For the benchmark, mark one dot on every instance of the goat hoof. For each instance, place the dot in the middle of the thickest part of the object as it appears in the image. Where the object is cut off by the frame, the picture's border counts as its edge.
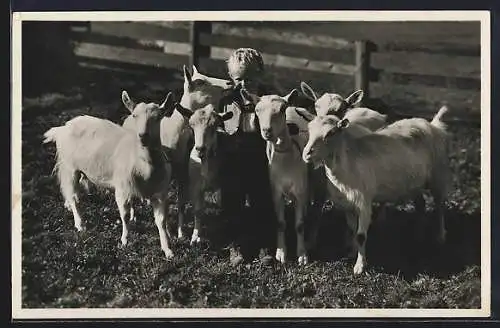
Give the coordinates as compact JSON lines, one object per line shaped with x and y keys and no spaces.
{"x":303,"y":260}
{"x":79,"y":228}
{"x":169,"y":254}
{"x":180,"y":235}
{"x":280,"y":255}
{"x":358,"y":268}
{"x":195,"y":240}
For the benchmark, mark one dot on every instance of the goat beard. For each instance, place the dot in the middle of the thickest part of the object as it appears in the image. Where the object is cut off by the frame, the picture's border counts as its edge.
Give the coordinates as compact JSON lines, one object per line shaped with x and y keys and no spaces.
{"x":316,"y":162}
{"x":272,"y":139}
{"x":195,"y":156}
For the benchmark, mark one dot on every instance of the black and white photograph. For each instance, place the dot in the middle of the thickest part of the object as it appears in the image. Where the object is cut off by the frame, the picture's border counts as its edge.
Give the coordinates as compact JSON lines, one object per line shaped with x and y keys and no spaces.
{"x":262,"y":164}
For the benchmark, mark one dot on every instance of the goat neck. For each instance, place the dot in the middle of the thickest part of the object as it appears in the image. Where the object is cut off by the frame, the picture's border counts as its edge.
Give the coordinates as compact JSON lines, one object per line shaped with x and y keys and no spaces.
{"x":336,"y":156}
{"x":283,"y":143}
{"x":149,"y":168}
{"x":185,"y":102}
{"x":152,"y":153}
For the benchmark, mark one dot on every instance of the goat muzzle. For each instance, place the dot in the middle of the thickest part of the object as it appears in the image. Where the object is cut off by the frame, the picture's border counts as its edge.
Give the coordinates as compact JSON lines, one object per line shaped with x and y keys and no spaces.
{"x":267,"y":134}
{"x":307,"y":154}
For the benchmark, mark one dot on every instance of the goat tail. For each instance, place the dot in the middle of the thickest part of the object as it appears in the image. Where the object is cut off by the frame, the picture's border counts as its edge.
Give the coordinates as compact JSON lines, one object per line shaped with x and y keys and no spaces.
{"x":51,"y":134}
{"x":437,"y":119}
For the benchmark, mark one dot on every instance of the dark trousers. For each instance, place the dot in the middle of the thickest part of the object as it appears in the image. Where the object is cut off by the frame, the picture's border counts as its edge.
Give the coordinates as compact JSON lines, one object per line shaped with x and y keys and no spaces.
{"x":245,"y":173}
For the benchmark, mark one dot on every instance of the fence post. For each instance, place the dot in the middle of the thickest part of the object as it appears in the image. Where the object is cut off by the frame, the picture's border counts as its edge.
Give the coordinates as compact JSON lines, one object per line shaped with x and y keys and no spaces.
{"x":197,"y":50}
{"x":362,"y":77}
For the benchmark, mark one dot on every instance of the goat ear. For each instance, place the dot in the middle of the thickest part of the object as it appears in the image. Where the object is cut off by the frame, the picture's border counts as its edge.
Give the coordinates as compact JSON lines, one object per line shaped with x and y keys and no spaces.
{"x":308,"y":91}
{"x":188,"y":78}
{"x":291,"y":96}
{"x":226,"y":116}
{"x":343,"y":123}
{"x":129,"y":103}
{"x":355,"y":98}
{"x":168,"y":105}
{"x":249,"y":98}
{"x":305,"y":114}
{"x":195,"y":70}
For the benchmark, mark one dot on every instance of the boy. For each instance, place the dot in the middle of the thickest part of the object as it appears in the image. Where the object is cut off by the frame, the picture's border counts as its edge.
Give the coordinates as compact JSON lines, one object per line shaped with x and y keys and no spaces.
{"x":245,"y":168}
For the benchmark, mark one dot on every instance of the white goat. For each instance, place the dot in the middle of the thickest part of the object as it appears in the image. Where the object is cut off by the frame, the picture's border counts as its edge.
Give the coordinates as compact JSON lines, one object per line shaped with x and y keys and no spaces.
{"x":332,"y":103}
{"x":290,"y":177}
{"x":363,"y":121}
{"x":204,"y":160}
{"x":366,"y":120}
{"x":289,"y":174}
{"x":108,"y":155}
{"x":390,"y":164}
{"x":199,"y":90}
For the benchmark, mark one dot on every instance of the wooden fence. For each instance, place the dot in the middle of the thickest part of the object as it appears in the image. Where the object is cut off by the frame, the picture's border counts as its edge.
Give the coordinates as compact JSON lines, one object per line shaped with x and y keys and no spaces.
{"x":148,"y":47}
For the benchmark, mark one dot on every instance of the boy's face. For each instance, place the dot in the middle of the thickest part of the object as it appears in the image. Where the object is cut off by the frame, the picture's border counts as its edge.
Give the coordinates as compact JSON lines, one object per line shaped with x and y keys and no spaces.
{"x":247,"y":81}
{"x":251,"y":85}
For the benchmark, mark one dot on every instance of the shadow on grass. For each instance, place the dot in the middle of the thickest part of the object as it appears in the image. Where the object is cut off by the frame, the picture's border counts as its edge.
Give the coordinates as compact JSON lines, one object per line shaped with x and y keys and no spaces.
{"x":393,"y":245}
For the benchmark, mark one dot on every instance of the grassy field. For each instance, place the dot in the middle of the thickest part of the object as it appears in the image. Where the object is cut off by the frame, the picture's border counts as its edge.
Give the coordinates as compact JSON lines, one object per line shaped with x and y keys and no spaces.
{"x":63,"y":268}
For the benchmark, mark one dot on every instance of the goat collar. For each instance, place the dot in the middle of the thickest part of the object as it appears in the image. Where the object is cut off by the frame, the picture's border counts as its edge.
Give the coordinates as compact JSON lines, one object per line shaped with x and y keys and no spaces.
{"x":183,"y":110}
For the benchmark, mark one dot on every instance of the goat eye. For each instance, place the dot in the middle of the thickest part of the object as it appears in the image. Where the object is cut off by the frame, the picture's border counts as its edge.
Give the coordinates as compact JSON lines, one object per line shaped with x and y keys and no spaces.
{"x":134,"y":115}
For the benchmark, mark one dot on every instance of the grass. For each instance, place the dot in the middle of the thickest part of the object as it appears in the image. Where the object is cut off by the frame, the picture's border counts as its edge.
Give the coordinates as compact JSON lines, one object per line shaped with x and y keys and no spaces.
{"x":62,"y":268}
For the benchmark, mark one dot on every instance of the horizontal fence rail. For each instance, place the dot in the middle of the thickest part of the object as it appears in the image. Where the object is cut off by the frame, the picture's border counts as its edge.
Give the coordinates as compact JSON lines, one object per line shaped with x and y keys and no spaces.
{"x":131,"y":46}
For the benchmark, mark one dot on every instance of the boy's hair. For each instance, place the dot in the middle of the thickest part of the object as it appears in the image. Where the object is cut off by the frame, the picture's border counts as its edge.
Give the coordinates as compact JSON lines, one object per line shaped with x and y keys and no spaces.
{"x":245,"y":61}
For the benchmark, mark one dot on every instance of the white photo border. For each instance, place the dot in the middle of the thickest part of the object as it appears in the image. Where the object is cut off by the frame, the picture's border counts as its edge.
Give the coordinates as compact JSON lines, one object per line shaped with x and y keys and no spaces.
{"x":151,"y":313}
